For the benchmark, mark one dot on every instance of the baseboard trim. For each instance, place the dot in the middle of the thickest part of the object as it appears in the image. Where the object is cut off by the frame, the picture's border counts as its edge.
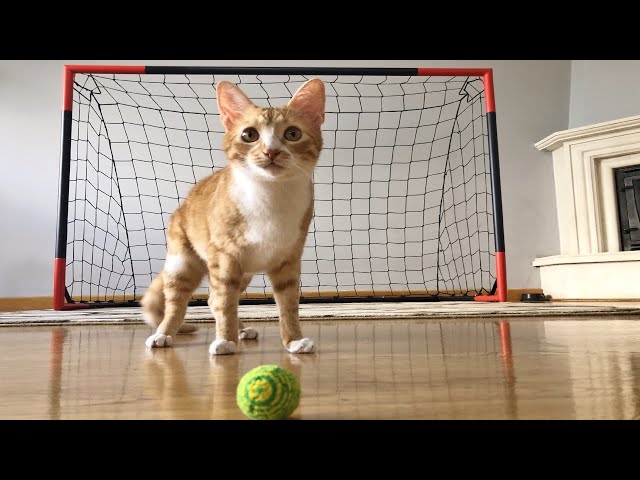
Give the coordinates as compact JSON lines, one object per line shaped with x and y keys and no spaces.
{"x":14,"y":304}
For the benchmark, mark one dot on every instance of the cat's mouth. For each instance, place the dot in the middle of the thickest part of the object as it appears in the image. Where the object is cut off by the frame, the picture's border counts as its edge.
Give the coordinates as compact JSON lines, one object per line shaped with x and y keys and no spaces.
{"x":273,"y":168}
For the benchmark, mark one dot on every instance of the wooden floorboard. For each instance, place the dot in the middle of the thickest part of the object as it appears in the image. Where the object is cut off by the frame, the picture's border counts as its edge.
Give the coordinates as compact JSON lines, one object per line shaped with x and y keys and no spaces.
{"x":545,"y":368}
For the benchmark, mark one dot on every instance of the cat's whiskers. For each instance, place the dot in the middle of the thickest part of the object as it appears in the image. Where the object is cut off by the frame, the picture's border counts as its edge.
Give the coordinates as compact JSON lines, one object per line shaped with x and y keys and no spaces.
{"x":294,"y":163}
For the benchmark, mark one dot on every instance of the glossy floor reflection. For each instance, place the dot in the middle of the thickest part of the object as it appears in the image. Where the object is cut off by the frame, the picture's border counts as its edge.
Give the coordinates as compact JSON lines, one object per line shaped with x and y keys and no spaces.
{"x":396,"y":369}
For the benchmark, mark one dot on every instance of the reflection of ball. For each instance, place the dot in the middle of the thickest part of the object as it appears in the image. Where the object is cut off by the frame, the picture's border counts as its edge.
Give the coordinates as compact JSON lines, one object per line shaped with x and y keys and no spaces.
{"x":268,"y":392}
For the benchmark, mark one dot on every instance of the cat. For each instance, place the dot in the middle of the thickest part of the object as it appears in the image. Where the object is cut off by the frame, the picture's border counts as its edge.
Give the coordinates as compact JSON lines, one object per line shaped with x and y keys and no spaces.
{"x":251,"y":216}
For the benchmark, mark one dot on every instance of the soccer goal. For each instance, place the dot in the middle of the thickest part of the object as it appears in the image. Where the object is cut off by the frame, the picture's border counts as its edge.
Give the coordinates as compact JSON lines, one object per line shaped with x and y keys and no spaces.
{"x":407,"y":189}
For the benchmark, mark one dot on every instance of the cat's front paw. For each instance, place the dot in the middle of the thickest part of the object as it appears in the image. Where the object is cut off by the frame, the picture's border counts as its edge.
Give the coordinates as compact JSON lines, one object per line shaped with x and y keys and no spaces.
{"x":159,"y":340}
{"x":222,"y":347}
{"x":304,"y":345}
{"x":248,"y":333}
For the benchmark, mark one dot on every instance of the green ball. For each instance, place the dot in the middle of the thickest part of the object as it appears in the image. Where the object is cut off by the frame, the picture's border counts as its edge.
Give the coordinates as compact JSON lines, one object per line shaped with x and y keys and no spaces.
{"x":268,"y":392}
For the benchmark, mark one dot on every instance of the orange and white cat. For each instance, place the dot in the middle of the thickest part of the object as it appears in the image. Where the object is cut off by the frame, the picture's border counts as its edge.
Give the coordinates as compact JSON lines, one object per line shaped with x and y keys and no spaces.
{"x":251,"y":216}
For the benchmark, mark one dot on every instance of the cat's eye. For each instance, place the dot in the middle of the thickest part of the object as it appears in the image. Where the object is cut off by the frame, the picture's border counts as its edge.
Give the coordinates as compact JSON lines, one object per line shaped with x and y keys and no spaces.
{"x":250,"y":135}
{"x":292,"y":134}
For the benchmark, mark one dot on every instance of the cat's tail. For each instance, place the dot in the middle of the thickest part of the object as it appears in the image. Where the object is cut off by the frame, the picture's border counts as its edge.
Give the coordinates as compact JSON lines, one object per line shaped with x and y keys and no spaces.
{"x":153,"y":306}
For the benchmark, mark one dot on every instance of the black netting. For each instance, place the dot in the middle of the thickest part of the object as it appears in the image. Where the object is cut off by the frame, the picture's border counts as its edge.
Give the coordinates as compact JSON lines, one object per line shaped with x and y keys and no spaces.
{"x":403,"y":193}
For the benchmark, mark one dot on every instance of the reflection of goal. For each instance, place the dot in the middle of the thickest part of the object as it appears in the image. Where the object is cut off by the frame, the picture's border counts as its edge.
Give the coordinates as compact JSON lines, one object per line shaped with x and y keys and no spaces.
{"x":407,"y":188}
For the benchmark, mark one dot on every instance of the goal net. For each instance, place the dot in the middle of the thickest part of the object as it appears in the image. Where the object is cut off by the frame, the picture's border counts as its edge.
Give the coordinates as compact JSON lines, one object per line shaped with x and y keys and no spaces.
{"x":403,"y":188}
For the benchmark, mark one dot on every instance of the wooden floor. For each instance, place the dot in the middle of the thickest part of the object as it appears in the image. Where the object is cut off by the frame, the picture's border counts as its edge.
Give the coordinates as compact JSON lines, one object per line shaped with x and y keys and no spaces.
{"x":363,"y":369}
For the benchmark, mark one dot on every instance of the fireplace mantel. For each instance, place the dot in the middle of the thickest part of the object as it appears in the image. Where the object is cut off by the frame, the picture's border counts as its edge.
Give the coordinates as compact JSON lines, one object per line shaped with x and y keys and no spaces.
{"x":591,"y":264}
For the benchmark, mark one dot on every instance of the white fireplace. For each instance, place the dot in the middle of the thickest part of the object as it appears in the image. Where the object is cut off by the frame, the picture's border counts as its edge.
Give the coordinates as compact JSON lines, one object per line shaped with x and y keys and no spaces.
{"x":591,"y":264}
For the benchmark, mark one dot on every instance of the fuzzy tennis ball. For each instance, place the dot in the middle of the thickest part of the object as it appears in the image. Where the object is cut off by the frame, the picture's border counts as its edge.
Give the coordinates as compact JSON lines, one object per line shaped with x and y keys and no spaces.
{"x":268,"y":392}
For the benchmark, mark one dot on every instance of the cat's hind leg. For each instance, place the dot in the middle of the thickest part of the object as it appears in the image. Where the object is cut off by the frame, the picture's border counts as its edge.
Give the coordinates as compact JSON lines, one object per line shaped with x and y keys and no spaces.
{"x":152,"y":304}
{"x":246,"y":333}
{"x":182,"y":273}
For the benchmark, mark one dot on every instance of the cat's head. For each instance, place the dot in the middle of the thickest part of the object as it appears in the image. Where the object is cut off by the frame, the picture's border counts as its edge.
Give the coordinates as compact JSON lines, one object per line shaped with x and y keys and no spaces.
{"x":273,"y":143}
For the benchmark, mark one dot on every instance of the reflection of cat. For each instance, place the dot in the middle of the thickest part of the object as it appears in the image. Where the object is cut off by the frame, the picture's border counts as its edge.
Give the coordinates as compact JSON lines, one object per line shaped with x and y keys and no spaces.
{"x":251,"y":216}
{"x":166,"y":380}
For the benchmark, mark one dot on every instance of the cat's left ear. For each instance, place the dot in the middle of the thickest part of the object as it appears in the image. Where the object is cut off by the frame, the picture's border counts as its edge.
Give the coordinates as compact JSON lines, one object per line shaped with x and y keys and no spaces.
{"x":309,"y":100}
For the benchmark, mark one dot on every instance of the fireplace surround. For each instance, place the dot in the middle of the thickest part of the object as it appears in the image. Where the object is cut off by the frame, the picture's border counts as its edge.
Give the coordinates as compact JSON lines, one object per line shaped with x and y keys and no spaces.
{"x":592,"y":263}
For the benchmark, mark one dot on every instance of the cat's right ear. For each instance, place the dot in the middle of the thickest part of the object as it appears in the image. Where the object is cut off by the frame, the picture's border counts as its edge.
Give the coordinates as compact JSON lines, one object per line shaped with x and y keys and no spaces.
{"x":232,"y":103}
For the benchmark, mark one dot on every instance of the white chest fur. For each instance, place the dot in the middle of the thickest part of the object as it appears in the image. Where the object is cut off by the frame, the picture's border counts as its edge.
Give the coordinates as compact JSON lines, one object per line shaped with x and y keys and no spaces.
{"x":273,"y":211}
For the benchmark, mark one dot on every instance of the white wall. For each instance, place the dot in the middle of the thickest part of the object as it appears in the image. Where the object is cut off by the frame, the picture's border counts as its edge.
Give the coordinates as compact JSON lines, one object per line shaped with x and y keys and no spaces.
{"x":603,"y":90}
{"x":532,"y":100}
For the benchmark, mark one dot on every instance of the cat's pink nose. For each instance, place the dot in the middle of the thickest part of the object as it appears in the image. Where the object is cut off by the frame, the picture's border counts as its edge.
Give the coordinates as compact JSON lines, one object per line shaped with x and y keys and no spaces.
{"x":272,"y":154}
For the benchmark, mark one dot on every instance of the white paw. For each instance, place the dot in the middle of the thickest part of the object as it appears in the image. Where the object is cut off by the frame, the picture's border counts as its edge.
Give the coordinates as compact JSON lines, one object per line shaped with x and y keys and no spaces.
{"x":304,"y":345}
{"x":248,"y":333}
{"x":222,"y":347}
{"x":159,"y":340}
